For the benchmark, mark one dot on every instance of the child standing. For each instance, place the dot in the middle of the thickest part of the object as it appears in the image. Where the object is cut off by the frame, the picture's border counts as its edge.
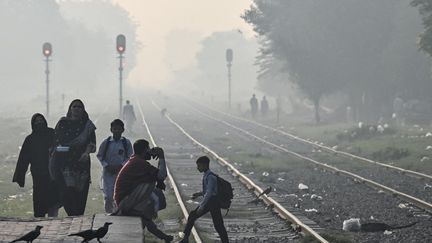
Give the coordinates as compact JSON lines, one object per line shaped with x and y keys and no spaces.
{"x":113,"y":153}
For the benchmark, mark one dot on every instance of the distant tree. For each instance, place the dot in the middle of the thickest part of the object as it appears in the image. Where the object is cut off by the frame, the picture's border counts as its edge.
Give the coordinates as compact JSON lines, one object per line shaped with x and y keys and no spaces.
{"x":105,"y":19}
{"x":425,"y":38}
{"x":309,"y":53}
{"x":208,"y":72}
{"x":83,"y":50}
{"x":363,"y":48}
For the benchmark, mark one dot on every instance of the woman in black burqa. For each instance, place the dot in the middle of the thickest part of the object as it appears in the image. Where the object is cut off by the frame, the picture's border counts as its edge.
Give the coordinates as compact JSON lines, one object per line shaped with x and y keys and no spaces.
{"x":35,"y":152}
{"x":75,"y":139}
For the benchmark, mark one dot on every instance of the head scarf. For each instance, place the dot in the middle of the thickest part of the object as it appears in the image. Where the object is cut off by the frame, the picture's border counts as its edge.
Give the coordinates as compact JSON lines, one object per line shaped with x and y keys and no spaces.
{"x":33,"y":125}
{"x":85,"y":115}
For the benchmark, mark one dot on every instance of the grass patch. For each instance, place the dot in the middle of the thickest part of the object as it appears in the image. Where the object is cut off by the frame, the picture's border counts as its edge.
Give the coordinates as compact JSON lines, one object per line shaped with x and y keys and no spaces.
{"x":403,"y":147}
{"x":265,"y":162}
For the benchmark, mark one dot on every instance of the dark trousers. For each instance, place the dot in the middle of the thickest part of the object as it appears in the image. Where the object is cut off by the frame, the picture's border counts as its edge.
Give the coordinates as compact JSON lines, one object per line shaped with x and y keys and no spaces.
{"x":152,"y":228}
{"x":73,"y":201}
{"x":45,"y":197}
{"x":215,"y":211}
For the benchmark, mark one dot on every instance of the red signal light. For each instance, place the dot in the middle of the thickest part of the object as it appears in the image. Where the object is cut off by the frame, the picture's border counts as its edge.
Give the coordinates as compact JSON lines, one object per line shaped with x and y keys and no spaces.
{"x":121,"y":44}
{"x":47,"y":49}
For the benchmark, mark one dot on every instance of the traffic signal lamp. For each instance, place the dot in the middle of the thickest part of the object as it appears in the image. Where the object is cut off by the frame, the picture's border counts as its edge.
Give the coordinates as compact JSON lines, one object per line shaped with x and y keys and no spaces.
{"x":47,"y":49}
{"x":229,"y":55}
{"x":121,"y":44}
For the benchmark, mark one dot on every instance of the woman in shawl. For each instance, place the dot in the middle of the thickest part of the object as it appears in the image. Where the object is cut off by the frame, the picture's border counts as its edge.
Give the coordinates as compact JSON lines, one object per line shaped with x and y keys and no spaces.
{"x":35,"y":152}
{"x":75,"y":139}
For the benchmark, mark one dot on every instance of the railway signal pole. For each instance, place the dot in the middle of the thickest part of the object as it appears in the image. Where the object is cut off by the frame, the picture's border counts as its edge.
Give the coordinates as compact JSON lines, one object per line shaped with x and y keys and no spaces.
{"x":121,"y":48}
{"x":47,"y":51}
{"x":229,"y":58}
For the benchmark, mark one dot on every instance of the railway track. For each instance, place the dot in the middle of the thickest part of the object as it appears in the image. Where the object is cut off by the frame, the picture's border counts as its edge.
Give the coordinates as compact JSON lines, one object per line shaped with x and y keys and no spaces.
{"x":407,"y":184}
{"x":352,"y":197}
{"x":249,"y":220}
{"x":318,"y":145}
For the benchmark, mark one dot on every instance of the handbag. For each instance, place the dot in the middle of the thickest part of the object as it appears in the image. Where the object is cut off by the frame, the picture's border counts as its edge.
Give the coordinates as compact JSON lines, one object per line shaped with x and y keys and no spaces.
{"x":77,"y":179}
{"x":56,"y":155}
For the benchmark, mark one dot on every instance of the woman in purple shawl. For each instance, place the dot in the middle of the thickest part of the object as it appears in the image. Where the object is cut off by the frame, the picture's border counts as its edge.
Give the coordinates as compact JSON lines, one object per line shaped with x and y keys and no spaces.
{"x":75,"y":139}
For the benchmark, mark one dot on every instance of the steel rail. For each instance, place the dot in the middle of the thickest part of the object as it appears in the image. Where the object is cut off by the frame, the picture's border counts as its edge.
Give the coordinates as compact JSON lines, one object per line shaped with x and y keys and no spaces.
{"x":277,"y":207}
{"x":100,"y":115}
{"x":346,"y":154}
{"x":171,"y":179}
{"x":416,"y":201}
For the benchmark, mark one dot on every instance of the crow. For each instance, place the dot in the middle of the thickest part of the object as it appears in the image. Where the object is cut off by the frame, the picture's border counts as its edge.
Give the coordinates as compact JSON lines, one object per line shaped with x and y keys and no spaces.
{"x":90,"y":234}
{"x":266,"y":191}
{"x":163,"y":112}
{"x":30,"y":236}
{"x":102,"y":231}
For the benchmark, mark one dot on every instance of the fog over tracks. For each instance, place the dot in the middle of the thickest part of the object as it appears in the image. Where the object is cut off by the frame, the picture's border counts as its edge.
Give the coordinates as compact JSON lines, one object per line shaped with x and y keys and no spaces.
{"x":342,"y":197}
{"x":248,"y":219}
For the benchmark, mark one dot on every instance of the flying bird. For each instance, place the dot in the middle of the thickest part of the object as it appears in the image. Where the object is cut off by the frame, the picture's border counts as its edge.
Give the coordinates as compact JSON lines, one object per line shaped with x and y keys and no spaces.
{"x":30,"y":236}
{"x":90,"y":234}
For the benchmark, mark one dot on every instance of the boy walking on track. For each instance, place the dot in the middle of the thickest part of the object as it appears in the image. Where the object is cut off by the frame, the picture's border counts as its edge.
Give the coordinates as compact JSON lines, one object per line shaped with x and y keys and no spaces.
{"x":210,"y":202}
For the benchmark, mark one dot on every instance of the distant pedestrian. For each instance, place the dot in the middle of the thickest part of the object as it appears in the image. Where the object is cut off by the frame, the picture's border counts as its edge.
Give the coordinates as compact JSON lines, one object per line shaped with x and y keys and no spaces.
{"x":398,"y":110}
{"x":254,"y":106}
{"x":278,"y":108}
{"x":139,"y":185}
{"x":35,"y":152}
{"x":209,"y":202}
{"x":264,"y":107}
{"x":349,"y":115}
{"x":129,"y":115}
{"x":75,"y":139}
{"x":113,"y":153}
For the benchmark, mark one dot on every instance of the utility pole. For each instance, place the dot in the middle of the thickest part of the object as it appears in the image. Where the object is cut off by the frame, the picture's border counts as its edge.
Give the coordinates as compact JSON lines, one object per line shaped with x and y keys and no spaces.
{"x":63,"y":101}
{"x":229,"y":59}
{"x":121,"y":48}
{"x":47,"y":51}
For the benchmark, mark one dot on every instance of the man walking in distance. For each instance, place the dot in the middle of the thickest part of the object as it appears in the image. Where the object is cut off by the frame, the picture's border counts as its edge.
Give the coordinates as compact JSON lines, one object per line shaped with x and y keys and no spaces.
{"x":209,"y":202}
{"x":254,"y":106}
{"x":129,"y":115}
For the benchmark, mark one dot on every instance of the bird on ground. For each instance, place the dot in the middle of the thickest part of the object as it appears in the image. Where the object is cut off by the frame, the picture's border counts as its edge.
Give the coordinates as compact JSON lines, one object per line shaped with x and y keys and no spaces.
{"x":30,"y":236}
{"x":90,"y":234}
{"x":266,"y":191}
{"x":163,"y":112}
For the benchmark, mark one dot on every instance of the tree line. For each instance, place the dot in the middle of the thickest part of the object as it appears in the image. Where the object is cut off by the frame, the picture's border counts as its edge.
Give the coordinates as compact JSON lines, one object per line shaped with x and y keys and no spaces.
{"x":82,"y":34}
{"x":366,"y":49}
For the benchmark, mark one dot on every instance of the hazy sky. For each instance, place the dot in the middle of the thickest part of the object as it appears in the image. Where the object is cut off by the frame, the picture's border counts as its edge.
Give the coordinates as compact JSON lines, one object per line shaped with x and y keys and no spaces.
{"x":157,"y":19}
